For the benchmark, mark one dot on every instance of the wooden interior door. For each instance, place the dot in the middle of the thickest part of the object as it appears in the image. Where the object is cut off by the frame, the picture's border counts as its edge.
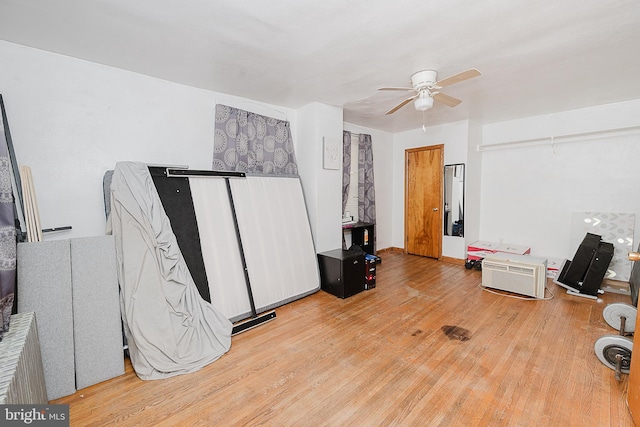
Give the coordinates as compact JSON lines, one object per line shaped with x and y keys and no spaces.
{"x":423,"y":201}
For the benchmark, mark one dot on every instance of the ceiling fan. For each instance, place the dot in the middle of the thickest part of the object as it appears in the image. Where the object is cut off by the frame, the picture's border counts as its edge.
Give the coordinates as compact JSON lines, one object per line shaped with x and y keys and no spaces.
{"x":426,"y":89}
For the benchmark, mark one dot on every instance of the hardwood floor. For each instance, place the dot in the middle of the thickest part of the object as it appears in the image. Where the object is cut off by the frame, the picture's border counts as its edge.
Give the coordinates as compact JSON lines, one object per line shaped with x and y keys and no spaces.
{"x":383,"y":357}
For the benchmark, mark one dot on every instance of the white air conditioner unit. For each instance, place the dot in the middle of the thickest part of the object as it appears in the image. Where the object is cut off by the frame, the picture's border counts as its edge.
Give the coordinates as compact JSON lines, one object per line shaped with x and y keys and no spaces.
{"x":521,"y":274}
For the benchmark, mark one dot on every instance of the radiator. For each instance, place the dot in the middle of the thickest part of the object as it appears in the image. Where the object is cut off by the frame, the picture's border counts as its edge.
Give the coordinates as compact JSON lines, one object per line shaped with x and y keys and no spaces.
{"x":21,"y":373}
{"x":521,"y":274}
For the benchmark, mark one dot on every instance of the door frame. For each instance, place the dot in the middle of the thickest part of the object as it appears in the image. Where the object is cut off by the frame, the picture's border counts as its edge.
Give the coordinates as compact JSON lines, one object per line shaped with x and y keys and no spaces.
{"x":440,"y":191}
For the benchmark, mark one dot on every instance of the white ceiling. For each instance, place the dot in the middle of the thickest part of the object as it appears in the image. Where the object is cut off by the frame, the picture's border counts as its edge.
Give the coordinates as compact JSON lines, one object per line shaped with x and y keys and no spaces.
{"x":536,"y":57}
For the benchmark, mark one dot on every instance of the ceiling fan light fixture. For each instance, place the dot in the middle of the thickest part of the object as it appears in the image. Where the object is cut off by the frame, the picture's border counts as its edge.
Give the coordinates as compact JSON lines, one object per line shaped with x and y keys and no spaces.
{"x":426,"y":89}
{"x":423,"y":79}
{"x":423,"y":102}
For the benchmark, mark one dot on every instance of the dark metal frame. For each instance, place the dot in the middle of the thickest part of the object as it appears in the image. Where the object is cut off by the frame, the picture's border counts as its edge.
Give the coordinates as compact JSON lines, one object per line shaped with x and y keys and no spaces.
{"x":255,"y":319}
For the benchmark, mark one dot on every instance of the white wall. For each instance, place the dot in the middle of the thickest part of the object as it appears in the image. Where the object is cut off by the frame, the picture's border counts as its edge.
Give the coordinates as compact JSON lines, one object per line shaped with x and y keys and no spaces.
{"x":529,"y":193}
{"x":455,"y":137}
{"x":71,"y":120}
{"x":322,"y":187}
{"x":382,"y":143}
{"x":472,"y":188}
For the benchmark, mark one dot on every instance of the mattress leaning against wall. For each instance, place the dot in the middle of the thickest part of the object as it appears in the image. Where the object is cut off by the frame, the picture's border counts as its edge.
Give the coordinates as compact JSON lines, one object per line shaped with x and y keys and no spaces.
{"x":170,"y":329}
{"x":220,"y":249}
{"x":276,"y":240}
{"x":274,"y":230}
{"x":276,"y":234}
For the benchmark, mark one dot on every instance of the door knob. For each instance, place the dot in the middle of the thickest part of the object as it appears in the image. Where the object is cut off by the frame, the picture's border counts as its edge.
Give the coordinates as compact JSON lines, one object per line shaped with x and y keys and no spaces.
{"x":435,"y":209}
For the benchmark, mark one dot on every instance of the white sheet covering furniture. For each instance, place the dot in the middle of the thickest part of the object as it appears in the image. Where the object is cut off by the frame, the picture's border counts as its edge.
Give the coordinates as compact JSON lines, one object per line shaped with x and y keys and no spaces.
{"x":170,"y":329}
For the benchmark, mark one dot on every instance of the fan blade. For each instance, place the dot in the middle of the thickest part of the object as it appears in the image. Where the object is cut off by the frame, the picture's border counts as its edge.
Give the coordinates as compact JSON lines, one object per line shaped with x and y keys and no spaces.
{"x":446,"y":99}
{"x":395,"y":88}
{"x":402,"y":104}
{"x":456,"y":78}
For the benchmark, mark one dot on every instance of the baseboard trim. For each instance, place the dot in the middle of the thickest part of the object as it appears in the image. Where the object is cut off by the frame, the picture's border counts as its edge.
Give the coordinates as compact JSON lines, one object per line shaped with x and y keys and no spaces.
{"x":390,"y":249}
{"x":451,"y":260}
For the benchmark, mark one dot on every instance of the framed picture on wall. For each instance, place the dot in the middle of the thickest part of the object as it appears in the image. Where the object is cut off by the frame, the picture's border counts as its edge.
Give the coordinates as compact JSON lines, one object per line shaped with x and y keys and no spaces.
{"x":331,"y":153}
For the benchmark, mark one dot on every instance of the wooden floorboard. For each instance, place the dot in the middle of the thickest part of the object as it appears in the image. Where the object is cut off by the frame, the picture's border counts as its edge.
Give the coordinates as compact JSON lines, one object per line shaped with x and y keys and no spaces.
{"x":383,"y":357}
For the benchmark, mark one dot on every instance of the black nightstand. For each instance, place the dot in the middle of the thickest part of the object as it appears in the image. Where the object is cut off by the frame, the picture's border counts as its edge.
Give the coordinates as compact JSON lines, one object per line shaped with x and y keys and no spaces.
{"x":342,"y":272}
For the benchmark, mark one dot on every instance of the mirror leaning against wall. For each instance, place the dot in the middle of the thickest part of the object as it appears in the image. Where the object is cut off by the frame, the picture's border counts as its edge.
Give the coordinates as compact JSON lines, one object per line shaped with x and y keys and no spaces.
{"x":454,"y":200}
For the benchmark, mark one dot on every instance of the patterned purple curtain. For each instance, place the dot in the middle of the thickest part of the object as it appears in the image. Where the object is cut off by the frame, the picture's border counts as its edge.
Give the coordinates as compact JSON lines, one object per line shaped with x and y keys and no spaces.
{"x":251,"y":143}
{"x":346,"y":167}
{"x":7,"y":229}
{"x":366,"y":188}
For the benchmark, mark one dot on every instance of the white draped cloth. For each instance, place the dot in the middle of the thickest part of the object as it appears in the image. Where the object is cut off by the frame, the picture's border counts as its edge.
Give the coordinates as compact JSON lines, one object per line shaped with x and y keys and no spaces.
{"x":170,"y":329}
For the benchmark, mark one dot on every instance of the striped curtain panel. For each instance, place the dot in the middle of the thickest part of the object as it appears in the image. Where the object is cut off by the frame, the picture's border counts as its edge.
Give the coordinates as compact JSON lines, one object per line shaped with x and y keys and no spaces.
{"x":366,"y":187}
{"x":346,"y":168}
{"x":7,"y":228}
{"x":251,"y":143}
